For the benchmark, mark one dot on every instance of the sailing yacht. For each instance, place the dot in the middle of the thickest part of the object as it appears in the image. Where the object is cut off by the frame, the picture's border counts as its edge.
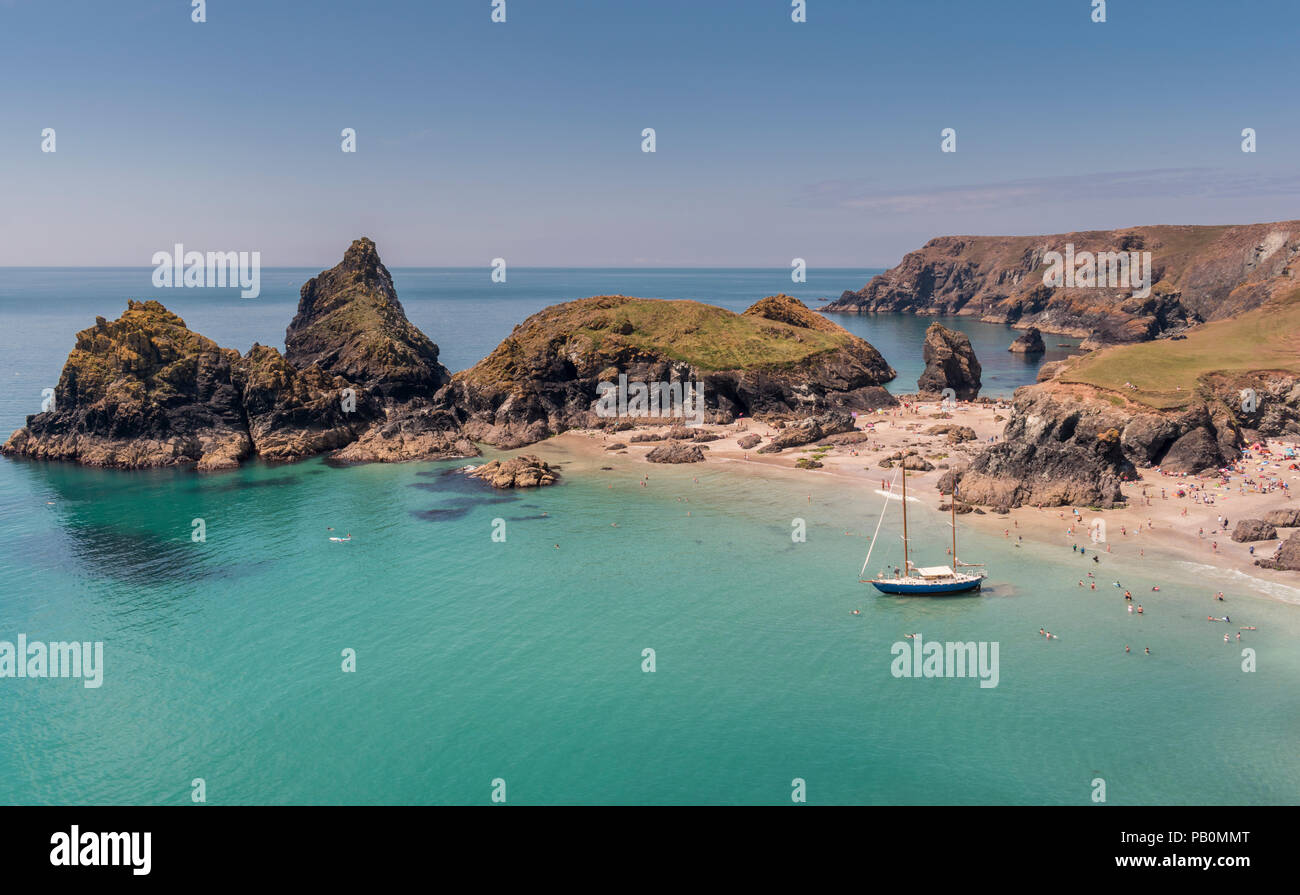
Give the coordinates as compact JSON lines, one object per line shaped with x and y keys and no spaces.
{"x":923,"y":580}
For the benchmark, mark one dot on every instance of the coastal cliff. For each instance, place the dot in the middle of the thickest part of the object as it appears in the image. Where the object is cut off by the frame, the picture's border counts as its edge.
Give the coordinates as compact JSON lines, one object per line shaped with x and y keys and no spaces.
{"x":1197,"y":274}
{"x":1185,"y":406}
{"x":777,"y":358}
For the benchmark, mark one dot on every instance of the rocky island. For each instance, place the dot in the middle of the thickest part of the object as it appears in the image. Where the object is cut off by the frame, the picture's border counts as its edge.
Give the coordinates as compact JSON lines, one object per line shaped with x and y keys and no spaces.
{"x":357,"y":379}
{"x":359,"y":382}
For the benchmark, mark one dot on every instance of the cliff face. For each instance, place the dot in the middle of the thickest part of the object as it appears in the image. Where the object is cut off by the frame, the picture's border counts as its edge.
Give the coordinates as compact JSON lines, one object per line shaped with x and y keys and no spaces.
{"x":1197,"y":274}
{"x":350,"y":324}
{"x":776,"y":358}
{"x":1071,"y":443}
{"x":359,"y":379}
{"x":291,"y":414}
{"x":142,"y":391}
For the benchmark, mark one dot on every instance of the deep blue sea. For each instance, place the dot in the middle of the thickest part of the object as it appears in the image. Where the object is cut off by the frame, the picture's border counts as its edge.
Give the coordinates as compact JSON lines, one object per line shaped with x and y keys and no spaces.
{"x":521,"y":660}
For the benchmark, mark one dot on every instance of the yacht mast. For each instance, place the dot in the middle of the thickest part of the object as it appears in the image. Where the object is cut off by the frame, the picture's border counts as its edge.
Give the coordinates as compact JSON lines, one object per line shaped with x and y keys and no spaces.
{"x":953,"y":503}
{"x":907,"y":566}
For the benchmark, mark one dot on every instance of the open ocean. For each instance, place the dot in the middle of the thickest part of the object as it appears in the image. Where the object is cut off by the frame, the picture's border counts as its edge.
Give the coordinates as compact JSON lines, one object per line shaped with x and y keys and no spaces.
{"x":480,"y":660}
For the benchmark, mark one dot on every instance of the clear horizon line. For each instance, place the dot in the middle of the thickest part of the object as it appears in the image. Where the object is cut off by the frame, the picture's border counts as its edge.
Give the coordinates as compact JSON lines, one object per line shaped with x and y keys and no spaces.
{"x":486,"y":267}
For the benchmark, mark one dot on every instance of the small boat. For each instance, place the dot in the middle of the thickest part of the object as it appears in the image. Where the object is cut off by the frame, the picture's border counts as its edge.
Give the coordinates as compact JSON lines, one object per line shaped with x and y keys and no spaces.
{"x":923,"y":580}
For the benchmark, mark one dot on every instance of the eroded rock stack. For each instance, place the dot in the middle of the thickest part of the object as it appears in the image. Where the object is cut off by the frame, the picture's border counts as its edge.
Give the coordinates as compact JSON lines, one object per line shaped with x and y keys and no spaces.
{"x":950,"y":363}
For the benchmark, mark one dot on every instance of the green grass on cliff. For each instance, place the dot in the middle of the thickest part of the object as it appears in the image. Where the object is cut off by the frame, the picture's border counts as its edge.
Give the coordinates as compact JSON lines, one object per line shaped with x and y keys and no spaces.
{"x":708,"y":337}
{"x":1165,"y":372}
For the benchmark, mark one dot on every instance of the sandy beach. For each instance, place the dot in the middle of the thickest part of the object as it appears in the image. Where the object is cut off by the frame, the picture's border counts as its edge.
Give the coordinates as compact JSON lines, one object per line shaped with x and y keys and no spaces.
{"x":1157,"y":523}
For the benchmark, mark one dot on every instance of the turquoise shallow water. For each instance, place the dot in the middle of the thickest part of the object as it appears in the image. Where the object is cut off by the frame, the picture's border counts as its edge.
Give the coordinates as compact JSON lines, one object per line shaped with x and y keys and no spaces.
{"x":516,"y":660}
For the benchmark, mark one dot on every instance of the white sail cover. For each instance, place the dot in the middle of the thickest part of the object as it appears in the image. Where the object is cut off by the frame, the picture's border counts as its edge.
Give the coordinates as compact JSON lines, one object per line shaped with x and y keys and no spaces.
{"x":935,"y":572}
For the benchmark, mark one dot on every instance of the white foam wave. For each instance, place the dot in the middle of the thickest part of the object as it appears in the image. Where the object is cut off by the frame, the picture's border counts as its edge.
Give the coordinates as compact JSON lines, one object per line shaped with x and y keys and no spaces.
{"x":1273,"y":589}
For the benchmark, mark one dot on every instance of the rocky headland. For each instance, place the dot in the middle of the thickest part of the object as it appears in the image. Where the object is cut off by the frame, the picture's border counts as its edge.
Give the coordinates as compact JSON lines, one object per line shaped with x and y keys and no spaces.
{"x":1198,"y":274}
{"x":1186,"y":407}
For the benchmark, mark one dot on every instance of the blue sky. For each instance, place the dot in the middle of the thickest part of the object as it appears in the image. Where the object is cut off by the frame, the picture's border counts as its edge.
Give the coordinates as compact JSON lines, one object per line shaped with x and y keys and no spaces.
{"x":522,"y":140}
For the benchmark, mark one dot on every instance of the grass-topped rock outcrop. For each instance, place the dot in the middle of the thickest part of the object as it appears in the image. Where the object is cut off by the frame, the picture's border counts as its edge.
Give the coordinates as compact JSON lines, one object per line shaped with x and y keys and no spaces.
{"x":1185,"y":406}
{"x":777,"y":358}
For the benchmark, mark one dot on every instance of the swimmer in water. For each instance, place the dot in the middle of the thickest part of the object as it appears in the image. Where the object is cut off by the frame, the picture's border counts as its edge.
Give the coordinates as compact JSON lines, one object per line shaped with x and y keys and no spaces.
{"x":1139,"y":608}
{"x":1126,"y":649}
{"x":1148,"y":650}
